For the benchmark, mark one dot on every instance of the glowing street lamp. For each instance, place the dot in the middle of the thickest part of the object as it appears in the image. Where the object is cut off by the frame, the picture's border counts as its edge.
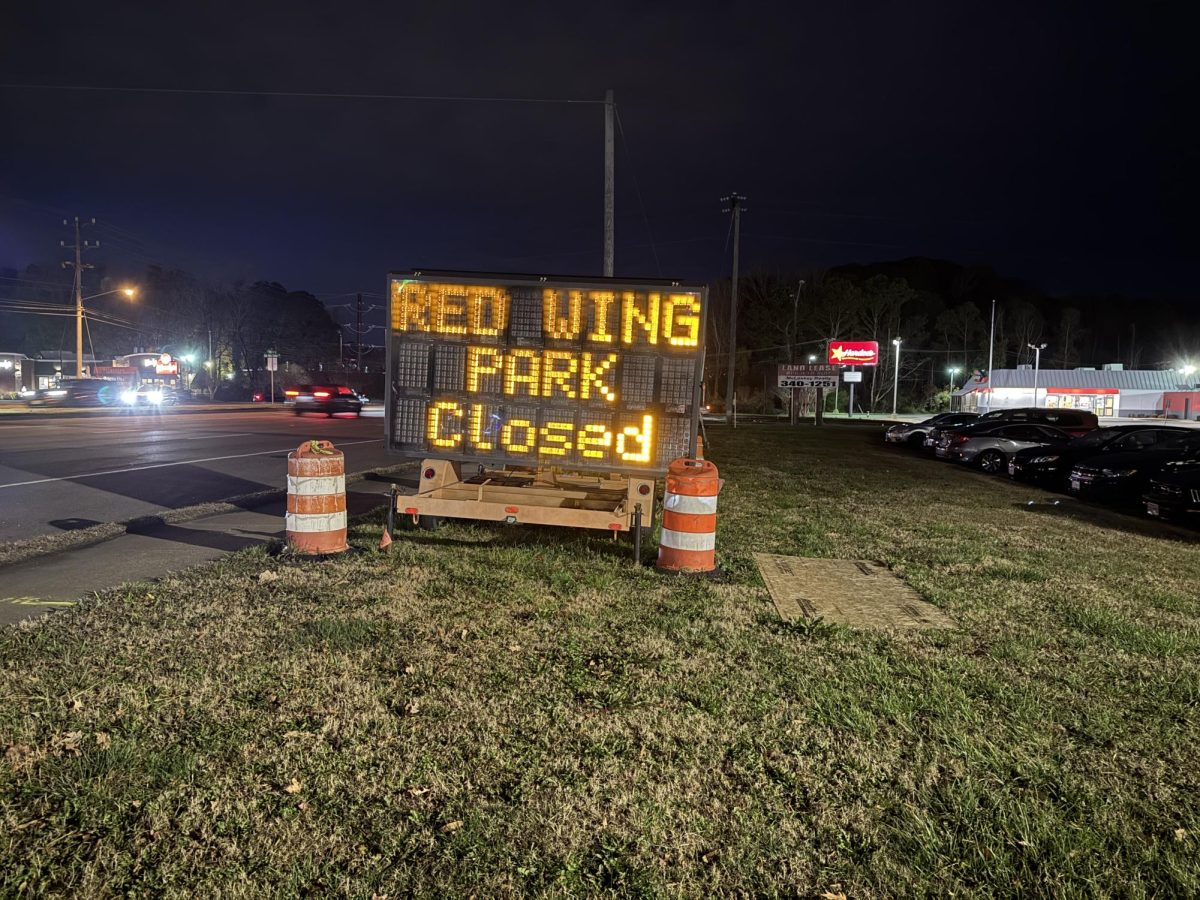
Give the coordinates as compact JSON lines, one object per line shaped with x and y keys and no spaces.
{"x":129,"y":292}
{"x":953,"y":372}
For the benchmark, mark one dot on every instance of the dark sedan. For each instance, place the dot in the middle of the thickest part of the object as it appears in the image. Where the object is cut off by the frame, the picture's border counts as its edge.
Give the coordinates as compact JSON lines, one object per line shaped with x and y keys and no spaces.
{"x":331,"y":399}
{"x":1174,"y":491}
{"x":1049,"y":467}
{"x":1123,"y":476}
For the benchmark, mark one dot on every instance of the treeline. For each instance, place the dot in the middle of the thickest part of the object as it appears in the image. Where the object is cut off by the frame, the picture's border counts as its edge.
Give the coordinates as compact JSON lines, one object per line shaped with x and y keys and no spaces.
{"x":233,"y":325}
{"x":942,"y":312}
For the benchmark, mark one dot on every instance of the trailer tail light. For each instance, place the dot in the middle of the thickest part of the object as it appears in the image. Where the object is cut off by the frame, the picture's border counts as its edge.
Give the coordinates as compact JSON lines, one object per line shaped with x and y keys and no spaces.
{"x":429,"y":473}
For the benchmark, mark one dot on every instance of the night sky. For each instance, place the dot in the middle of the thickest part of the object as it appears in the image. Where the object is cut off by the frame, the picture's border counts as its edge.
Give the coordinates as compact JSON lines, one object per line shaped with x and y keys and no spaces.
{"x":1048,"y":140}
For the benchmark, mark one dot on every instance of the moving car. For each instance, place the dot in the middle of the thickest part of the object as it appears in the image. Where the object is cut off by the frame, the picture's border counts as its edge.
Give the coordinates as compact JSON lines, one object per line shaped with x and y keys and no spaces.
{"x":913,"y":433}
{"x":151,"y":395}
{"x":1173,"y":492}
{"x":1123,"y":476}
{"x":1077,"y":421}
{"x":80,"y":392}
{"x":1050,"y":467}
{"x":331,"y":399}
{"x":989,"y":446}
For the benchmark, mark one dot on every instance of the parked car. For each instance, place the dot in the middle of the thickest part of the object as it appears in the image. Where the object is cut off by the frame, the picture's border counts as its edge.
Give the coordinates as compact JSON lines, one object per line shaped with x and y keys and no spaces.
{"x":331,"y":399}
{"x":1077,"y":421}
{"x":989,"y":446}
{"x":913,"y":433}
{"x":1174,"y":492}
{"x":1123,"y":476}
{"x":1050,"y":467}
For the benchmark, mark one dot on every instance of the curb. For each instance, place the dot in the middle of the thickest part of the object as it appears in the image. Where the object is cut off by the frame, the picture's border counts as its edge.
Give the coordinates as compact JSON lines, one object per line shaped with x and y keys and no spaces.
{"x":97,"y":534}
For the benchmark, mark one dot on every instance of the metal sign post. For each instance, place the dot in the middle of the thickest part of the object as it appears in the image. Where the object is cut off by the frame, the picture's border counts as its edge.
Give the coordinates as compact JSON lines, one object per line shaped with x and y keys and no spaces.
{"x":272,"y":366}
{"x":852,"y":377}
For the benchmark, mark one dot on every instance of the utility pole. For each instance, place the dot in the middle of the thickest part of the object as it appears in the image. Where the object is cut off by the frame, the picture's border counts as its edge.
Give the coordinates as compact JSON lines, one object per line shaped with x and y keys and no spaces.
{"x":735,"y":202}
{"x":1037,"y":364}
{"x":610,"y":178}
{"x":79,"y":265}
{"x":358,"y":331}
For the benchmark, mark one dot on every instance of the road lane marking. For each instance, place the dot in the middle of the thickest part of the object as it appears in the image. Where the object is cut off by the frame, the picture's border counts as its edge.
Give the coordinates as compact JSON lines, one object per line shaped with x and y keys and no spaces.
{"x":182,"y":462}
{"x":213,"y":437}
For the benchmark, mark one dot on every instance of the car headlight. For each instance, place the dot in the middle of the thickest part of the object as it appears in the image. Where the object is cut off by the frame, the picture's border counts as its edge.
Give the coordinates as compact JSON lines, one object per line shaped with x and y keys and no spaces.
{"x":56,"y":393}
{"x":1118,"y":473}
{"x":1045,"y":459}
{"x":155,"y":396}
{"x":129,"y":397}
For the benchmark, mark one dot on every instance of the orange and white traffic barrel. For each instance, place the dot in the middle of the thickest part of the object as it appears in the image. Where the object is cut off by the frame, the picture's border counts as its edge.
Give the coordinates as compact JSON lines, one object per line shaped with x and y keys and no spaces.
{"x":689,"y":524}
{"x":316,"y":499}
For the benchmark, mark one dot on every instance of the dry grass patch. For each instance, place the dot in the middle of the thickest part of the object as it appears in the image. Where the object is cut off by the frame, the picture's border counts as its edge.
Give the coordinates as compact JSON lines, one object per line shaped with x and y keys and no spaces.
{"x":489,"y":710}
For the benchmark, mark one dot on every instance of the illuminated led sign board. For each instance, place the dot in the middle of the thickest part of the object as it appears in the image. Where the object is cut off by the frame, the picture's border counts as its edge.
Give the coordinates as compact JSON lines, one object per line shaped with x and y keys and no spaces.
{"x":853,"y":353}
{"x":572,"y":373}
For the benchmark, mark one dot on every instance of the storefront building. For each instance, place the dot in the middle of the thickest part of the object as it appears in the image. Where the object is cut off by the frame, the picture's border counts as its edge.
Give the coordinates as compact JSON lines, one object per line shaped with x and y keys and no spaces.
{"x":1182,"y":405}
{"x":16,"y":373}
{"x":1109,"y":392}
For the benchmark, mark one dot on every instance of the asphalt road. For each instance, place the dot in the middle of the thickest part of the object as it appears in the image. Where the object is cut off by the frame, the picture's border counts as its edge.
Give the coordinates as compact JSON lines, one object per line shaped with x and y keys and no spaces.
{"x":59,"y":474}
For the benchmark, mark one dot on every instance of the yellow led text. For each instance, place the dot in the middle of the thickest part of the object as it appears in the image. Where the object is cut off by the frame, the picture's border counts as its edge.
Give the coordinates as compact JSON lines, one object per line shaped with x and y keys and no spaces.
{"x":478,"y":310}
{"x":454,"y":426}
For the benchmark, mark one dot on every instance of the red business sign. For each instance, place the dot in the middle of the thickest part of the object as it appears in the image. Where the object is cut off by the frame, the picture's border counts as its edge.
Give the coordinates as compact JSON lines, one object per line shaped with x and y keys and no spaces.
{"x":853,"y":353}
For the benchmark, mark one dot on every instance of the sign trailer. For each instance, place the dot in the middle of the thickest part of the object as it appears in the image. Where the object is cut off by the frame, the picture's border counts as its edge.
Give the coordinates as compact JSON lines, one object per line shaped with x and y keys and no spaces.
{"x":542,"y":400}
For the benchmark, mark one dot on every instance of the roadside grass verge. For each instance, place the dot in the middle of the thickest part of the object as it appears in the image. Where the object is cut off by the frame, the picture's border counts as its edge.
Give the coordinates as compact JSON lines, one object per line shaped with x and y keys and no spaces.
{"x":516,"y":710}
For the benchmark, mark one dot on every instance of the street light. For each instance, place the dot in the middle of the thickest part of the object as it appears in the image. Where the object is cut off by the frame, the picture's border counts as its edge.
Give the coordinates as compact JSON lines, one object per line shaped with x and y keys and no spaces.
{"x":812,"y":358}
{"x":1037,"y":364}
{"x":896,"y":379}
{"x":79,"y":298}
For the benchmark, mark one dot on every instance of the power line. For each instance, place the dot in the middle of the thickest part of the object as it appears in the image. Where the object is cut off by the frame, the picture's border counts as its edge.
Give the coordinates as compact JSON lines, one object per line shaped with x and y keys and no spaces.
{"x":320,"y":95}
{"x":637,"y":189}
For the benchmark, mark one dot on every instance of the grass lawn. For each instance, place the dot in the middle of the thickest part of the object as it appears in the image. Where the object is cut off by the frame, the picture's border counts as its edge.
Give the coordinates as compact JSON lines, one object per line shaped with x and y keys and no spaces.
{"x":516,"y":710}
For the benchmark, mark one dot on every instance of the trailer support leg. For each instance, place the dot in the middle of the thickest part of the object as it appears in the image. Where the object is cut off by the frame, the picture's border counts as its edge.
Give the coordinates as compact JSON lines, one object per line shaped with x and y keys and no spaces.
{"x":637,"y":535}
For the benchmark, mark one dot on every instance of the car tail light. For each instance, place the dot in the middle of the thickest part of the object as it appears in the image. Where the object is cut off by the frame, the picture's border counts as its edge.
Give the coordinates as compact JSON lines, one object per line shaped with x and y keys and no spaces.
{"x":321,"y":394}
{"x":960,"y":439}
{"x":291,"y":393}
{"x":344,"y":392}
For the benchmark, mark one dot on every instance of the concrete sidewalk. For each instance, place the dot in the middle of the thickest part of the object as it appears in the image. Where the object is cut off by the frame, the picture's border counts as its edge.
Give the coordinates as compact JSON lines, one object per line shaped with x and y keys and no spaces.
{"x":39,"y":585}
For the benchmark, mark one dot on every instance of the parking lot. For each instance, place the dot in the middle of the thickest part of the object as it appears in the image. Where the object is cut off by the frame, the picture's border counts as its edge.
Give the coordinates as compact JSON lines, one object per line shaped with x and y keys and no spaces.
{"x":1146,"y":467}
